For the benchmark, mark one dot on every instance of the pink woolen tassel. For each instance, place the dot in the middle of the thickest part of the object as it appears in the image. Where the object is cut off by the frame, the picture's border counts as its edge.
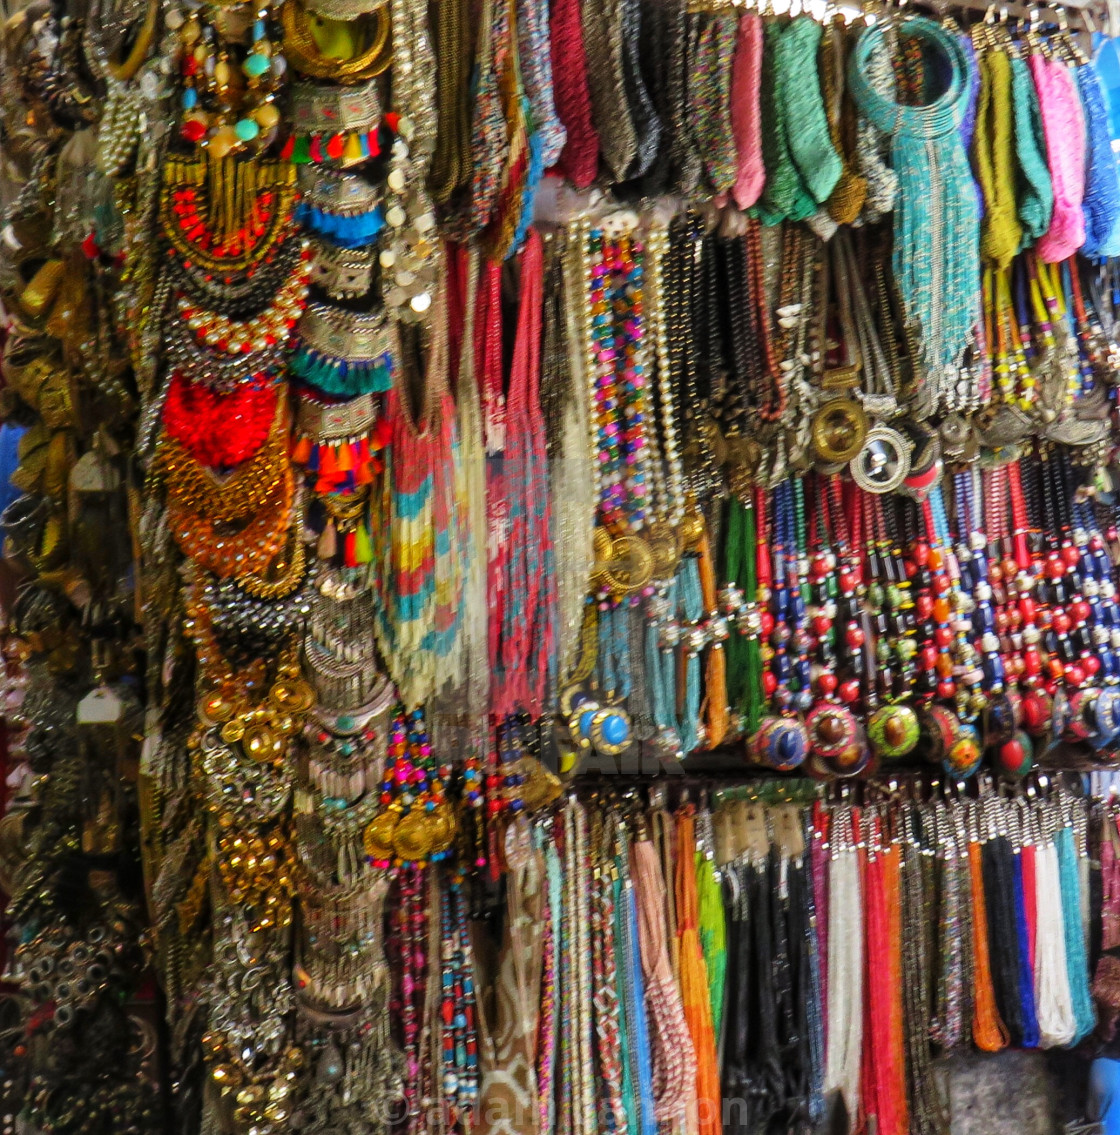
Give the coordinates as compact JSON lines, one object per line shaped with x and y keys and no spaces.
{"x":1063,"y":126}
{"x":746,"y":117}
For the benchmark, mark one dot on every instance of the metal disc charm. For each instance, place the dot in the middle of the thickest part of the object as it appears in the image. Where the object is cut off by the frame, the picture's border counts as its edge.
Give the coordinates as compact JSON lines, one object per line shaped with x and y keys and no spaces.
{"x":883,"y":462}
{"x":630,"y":566}
{"x":839,"y":430}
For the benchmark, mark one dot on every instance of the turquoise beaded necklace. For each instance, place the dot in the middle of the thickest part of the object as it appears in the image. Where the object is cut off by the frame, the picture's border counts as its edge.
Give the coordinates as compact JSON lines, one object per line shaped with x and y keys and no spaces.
{"x":936,"y":226}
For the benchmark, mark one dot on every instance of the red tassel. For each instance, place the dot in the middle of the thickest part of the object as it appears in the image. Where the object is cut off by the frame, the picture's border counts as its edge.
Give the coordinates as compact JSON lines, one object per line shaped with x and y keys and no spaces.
{"x":289,"y":146}
{"x":334,"y":147}
{"x":316,"y":150}
{"x":349,"y":552}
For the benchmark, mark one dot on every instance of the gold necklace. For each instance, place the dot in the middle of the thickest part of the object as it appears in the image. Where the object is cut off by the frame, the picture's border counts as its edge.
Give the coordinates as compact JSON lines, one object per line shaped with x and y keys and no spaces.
{"x":306,"y":56}
{"x":127,"y":67}
{"x":239,"y":554}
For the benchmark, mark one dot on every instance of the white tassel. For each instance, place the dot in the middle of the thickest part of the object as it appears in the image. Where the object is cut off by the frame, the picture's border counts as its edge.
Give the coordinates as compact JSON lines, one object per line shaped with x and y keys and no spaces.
{"x":844,"y":1043}
{"x":1056,"y":1023}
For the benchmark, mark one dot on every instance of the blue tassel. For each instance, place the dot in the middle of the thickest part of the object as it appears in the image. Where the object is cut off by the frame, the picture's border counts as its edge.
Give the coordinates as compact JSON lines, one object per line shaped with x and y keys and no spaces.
{"x":343,"y":230}
{"x":1101,"y":204}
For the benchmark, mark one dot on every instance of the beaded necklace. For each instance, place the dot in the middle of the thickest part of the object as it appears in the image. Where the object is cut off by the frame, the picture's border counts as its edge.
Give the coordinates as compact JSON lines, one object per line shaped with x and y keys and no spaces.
{"x":411,"y":935}
{"x":415,"y":822}
{"x":457,"y":1009}
{"x":231,"y":114}
{"x":521,"y":562}
{"x":608,"y":1048}
{"x":617,"y":276}
{"x":666,"y":470}
{"x":936,"y":229}
{"x":423,"y":556}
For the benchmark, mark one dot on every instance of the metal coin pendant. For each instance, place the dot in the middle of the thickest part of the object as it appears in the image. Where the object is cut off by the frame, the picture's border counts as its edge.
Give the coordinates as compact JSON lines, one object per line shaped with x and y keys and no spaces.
{"x":883,"y":462}
{"x":665,"y":547}
{"x":378,"y":836}
{"x":838,"y":430}
{"x":630,"y":567}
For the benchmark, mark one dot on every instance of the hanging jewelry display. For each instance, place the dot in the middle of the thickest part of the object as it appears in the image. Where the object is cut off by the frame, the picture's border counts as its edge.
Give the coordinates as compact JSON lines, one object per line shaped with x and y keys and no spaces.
{"x":423,"y":428}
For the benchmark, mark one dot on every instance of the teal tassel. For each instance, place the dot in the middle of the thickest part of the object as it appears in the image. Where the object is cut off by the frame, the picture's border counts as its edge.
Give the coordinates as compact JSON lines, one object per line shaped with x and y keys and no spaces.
{"x":799,"y":91}
{"x":1036,"y":191}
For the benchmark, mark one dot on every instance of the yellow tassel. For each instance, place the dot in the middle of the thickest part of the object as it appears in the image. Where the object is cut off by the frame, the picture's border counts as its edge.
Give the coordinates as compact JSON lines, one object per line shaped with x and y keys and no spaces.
{"x":353,"y":152}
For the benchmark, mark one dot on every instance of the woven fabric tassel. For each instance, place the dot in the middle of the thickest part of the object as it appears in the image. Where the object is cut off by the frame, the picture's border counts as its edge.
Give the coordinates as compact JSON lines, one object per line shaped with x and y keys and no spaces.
{"x":784,"y":195}
{"x":1036,"y":193}
{"x":847,"y":199}
{"x":1056,"y":1024}
{"x":1102,"y":185}
{"x":536,"y":72}
{"x":845,"y":971}
{"x":580,"y":157}
{"x":1063,"y":125}
{"x":993,"y":150}
{"x":746,"y":115}
{"x":799,"y":90}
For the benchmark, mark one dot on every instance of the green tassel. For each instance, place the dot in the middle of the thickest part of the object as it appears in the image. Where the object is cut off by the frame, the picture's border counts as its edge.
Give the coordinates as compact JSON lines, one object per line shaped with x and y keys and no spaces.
{"x":754,"y":704}
{"x":363,"y":546}
{"x":785,"y":194}
{"x":301,"y":155}
{"x":798,"y":89}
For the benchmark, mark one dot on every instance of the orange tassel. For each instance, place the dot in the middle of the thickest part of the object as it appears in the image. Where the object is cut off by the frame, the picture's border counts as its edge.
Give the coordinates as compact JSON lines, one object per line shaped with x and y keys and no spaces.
{"x":344,"y":459}
{"x":988,"y":1030}
{"x":715,"y":697}
{"x":694,"y":982}
{"x":715,"y":674}
{"x":301,"y":451}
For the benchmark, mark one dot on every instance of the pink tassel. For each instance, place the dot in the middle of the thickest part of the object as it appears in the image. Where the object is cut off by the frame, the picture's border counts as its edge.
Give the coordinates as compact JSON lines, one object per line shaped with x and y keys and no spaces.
{"x":746,"y":115}
{"x":1063,"y":125}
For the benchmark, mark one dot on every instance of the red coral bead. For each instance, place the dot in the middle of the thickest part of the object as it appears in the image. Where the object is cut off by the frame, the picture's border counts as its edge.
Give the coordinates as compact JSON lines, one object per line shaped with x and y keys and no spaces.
{"x":849,"y":691}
